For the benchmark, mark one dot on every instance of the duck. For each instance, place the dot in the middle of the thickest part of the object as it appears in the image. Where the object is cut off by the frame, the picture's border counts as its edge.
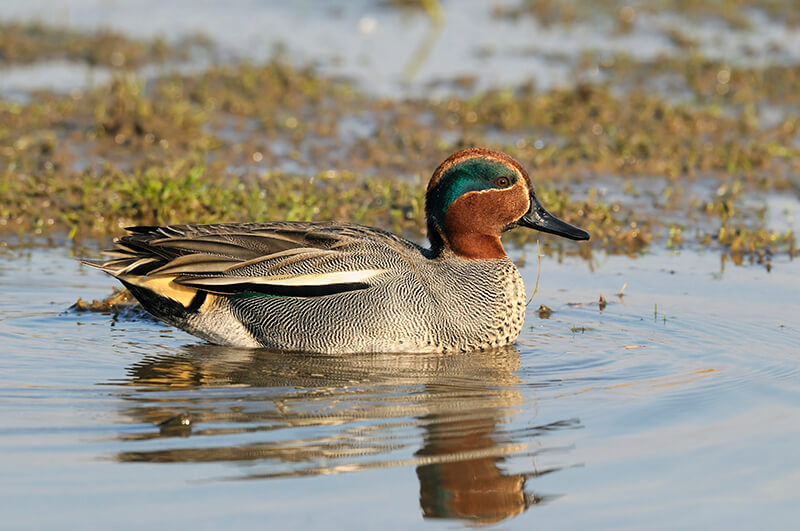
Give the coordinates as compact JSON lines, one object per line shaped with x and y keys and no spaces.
{"x":333,"y":287}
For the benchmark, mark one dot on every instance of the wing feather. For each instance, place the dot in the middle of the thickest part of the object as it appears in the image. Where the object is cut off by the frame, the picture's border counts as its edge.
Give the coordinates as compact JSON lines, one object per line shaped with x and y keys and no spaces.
{"x":195,"y":264}
{"x":303,"y":259}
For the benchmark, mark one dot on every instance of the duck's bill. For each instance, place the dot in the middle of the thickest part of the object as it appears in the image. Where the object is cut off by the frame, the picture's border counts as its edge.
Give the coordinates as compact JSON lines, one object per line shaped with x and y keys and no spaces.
{"x":540,"y":219}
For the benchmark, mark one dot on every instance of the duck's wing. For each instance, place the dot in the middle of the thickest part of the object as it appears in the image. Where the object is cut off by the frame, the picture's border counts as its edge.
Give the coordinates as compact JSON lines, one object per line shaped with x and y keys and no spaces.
{"x":301,"y":259}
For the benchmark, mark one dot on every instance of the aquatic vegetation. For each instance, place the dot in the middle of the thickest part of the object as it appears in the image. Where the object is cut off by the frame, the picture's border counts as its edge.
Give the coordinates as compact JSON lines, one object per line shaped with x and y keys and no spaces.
{"x":32,"y":42}
{"x":125,"y":114}
{"x":592,"y":128}
{"x":734,"y":13}
{"x":276,"y":141}
{"x":99,"y":204}
{"x":118,"y":298}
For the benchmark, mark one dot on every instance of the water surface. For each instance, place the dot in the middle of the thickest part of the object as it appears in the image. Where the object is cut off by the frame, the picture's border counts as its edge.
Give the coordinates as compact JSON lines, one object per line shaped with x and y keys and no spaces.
{"x":394,"y":51}
{"x":674,"y":406}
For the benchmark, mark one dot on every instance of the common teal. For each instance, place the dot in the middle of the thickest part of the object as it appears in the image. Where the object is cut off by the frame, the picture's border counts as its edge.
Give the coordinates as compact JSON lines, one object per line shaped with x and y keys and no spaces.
{"x":336,"y":287}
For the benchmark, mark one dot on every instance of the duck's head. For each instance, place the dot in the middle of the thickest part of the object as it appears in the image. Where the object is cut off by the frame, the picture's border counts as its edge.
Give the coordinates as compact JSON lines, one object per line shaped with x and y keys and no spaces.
{"x":475,"y":195}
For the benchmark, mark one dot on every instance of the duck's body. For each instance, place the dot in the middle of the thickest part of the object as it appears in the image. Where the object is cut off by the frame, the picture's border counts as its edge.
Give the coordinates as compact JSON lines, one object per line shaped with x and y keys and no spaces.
{"x":338,"y":287}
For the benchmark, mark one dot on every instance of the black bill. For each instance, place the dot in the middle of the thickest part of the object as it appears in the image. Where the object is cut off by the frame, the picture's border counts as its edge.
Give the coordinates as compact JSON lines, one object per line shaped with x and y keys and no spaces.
{"x":540,"y":219}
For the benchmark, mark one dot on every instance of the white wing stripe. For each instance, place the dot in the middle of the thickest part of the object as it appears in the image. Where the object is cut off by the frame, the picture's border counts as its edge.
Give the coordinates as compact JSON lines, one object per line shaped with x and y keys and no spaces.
{"x":323,"y":279}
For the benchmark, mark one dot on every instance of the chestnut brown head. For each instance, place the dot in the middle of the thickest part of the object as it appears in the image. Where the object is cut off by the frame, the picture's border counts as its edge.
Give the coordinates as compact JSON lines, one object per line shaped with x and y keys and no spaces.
{"x":475,"y":195}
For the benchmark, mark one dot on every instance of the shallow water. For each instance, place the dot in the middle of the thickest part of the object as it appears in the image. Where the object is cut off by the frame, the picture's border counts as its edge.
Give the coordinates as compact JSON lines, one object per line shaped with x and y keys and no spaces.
{"x":395,"y":51}
{"x":675,"y":406}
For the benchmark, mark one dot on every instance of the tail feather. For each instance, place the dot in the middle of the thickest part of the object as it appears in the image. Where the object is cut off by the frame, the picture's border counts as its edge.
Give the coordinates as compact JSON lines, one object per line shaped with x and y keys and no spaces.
{"x":124,"y":265}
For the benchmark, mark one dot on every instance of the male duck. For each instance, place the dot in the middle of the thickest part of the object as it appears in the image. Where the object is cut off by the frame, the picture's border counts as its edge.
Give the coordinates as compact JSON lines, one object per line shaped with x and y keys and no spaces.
{"x":339,"y":287}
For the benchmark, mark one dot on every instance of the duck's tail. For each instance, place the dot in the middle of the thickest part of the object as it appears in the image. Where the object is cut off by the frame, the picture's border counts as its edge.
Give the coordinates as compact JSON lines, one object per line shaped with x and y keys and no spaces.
{"x":160,"y":295}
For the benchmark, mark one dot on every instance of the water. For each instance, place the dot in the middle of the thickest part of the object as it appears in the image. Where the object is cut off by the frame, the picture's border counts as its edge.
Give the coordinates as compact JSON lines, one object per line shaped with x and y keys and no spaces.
{"x":674,"y":406}
{"x":392,"y":51}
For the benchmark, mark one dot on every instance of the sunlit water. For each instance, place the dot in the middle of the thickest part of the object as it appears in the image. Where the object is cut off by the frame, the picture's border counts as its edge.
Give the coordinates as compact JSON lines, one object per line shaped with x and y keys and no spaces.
{"x":675,"y":406}
{"x":394,"y":51}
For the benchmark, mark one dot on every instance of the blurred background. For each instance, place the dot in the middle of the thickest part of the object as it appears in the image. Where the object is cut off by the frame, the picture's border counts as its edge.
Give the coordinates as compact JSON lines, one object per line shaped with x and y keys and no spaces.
{"x":663,"y":121}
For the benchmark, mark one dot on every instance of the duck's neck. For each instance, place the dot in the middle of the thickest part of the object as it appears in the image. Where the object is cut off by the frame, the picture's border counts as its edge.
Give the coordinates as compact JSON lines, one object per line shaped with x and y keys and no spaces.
{"x":467,"y":235}
{"x":476,"y":246}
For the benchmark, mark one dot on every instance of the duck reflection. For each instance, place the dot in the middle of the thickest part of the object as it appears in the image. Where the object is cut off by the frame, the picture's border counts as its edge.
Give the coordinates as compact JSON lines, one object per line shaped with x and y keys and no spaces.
{"x":465,"y":479}
{"x":328,"y":414}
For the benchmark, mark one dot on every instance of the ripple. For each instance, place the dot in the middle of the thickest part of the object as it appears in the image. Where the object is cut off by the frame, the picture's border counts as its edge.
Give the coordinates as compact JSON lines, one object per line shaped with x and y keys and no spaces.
{"x":696,"y":356}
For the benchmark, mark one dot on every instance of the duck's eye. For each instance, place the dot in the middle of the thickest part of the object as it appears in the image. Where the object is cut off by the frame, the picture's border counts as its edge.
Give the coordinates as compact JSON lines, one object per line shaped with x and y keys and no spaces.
{"x":503,"y":182}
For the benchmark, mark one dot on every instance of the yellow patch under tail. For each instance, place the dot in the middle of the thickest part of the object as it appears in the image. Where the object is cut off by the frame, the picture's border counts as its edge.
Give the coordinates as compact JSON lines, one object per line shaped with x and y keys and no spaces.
{"x":163,"y":286}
